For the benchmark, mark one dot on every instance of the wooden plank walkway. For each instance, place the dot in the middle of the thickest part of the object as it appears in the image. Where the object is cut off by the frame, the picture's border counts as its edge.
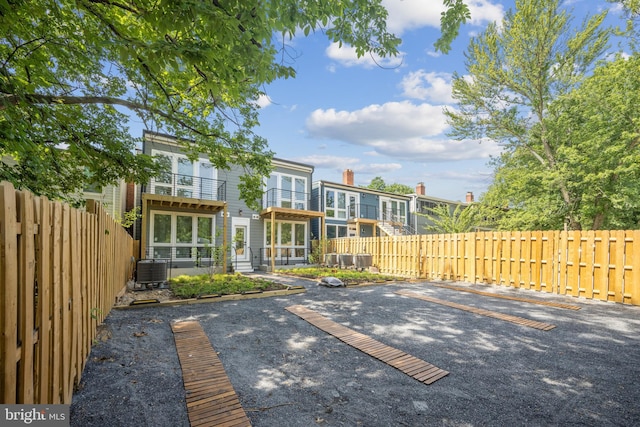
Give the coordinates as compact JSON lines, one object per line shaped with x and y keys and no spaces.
{"x":211,"y":399}
{"x":410,"y":365}
{"x":507,"y":317}
{"x":509,"y":297}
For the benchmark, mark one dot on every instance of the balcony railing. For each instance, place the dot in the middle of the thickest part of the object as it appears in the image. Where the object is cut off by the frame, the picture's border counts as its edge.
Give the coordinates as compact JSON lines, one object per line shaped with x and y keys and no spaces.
{"x":279,"y":198}
{"x":187,"y":186}
{"x":360,"y":211}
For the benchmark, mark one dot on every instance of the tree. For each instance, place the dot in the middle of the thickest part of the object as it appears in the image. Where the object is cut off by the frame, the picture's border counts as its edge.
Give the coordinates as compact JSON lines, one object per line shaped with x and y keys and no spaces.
{"x":445,"y":218}
{"x":71,"y":70}
{"x":378,"y":183}
{"x":515,"y":71}
{"x":598,"y":127}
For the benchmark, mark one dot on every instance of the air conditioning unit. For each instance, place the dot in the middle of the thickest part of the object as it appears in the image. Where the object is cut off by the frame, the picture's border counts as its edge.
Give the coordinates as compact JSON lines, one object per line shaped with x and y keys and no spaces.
{"x":363,"y":260}
{"x":150,"y":271}
{"x":345,"y":260}
{"x":331,"y":259}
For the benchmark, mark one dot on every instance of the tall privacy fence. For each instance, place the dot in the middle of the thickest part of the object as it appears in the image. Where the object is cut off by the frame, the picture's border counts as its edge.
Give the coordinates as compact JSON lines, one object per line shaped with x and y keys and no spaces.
{"x":602,"y":265}
{"x":60,"y":272}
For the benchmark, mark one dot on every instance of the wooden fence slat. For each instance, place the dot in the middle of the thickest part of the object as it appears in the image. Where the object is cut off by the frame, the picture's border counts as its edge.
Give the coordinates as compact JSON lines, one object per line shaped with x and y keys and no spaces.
{"x":8,"y":293}
{"x":632,"y":273}
{"x":26,"y":296}
{"x":43,"y":316}
{"x":618,"y":266}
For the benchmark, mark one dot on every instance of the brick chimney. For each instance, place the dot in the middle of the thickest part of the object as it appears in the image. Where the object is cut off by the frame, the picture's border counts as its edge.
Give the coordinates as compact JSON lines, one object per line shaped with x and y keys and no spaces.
{"x":469,"y":197}
{"x":347,"y":177}
{"x":420,"y":189}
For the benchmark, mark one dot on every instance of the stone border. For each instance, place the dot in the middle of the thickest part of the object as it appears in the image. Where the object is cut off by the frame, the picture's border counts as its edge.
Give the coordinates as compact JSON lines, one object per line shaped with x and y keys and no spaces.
{"x":291,"y":290}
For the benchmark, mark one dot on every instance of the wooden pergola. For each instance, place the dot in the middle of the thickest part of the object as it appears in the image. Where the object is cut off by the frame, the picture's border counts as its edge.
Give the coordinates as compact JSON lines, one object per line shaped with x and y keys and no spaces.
{"x":172,"y":203}
{"x":275,"y":213}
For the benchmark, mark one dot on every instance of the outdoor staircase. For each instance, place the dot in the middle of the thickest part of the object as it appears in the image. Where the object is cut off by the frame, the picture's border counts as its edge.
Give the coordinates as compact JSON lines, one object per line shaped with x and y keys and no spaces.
{"x":399,"y":230}
{"x":389,"y":229}
{"x":242,"y":266}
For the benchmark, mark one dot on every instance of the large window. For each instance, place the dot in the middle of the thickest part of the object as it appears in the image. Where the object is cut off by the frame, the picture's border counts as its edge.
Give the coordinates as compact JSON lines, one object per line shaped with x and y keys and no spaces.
{"x":286,"y":191}
{"x":340,"y":204}
{"x":334,"y":231}
{"x":290,"y":239}
{"x":393,"y":210}
{"x":183,"y":178}
{"x":176,"y":235}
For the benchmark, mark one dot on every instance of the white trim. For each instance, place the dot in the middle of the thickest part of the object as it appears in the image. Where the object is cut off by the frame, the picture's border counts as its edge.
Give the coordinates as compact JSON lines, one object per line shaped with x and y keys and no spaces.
{"x":173,"y":234}
{"x":241,"y":222}
{"x":279,"y":246}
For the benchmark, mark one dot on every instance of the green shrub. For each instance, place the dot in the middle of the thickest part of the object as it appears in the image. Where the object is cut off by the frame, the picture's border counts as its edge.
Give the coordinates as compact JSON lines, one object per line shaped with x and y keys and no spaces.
{"x":223,"y":284}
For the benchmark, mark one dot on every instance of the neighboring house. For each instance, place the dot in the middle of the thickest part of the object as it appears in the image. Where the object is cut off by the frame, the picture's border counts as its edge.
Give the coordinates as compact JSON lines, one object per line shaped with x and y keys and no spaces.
{"x":112,"y":198}
{"x":357,"y":211}
{"x":192,"y":214}
{"x":421,"y":203}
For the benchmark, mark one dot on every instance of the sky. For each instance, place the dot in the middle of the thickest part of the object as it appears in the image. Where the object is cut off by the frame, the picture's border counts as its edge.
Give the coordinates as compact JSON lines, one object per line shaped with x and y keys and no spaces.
{"x":384,"y":117}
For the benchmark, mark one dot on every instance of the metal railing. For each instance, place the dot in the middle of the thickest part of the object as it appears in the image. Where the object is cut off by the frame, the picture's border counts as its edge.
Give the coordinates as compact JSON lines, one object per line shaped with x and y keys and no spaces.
{"x":192,"y":255}
{"x":191,"y":187}
{"x":363,"y":211}
{"x":280,"y":198}
{"x":285,"y":256}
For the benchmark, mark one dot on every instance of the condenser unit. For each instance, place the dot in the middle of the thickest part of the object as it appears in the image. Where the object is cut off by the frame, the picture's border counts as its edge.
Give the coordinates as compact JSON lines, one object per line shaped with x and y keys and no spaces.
{"x":151,"y":271}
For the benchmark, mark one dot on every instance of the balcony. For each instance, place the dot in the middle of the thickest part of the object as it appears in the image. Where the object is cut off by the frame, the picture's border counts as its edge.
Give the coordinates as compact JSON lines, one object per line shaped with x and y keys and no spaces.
{"x":187,"y":186}
{"x":360,"y":211}
{"x":279,"y":198}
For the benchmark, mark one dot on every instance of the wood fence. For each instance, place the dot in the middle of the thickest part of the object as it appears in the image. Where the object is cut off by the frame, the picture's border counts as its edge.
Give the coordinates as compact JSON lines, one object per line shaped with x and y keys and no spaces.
{"x":602,"y":265}
{"x":60,"y":272}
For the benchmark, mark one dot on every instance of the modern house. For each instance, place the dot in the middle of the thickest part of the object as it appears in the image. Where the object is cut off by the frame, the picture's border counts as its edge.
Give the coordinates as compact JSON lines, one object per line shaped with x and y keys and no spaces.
{"x":352,"y":211}
{"x":193,"y":217}
{"x":421,"y":203}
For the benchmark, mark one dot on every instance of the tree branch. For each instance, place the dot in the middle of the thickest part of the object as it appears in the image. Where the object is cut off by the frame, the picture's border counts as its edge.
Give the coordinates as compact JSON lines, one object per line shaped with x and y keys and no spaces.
{"x":12,"y":99}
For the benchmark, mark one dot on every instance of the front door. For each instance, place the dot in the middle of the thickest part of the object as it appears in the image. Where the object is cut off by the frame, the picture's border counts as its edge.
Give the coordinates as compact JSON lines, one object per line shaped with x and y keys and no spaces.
{"x":240,"y":239}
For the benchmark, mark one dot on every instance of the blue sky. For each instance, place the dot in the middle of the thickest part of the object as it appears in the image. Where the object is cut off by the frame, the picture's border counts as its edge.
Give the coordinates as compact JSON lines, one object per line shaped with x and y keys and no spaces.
{"x":342,"y":112}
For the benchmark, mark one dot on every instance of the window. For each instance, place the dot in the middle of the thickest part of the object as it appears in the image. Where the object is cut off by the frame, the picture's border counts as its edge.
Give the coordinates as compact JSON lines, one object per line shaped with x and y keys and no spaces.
{"x":286,"y":191}
{"x":182,"y":178}
{"x":334,"y":231}
{"x":426,"y":205}
{"x":336,"y":205}
{"x":180,"y":236}
{"x":290,"y":239}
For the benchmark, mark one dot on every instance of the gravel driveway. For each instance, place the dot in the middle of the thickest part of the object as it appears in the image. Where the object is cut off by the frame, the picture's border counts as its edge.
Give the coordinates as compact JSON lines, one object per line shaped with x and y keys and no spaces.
{"x":286,"y":372}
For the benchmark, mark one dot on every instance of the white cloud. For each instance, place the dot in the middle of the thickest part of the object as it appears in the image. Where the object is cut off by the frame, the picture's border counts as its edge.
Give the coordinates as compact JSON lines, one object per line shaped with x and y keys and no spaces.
{"x":401,"y":130}
{"x":434,"y":87}
{"x":484,"y":11}
{"x":263,"y":101}
{"x":339,"y":164}
{"x":410,"y":14}
{"x":346,"y":56}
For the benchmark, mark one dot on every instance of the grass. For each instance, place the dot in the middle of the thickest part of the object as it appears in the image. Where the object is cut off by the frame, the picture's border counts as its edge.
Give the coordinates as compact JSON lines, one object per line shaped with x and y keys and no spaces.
{"x":222,"y":284}
{"x":350,"y":276}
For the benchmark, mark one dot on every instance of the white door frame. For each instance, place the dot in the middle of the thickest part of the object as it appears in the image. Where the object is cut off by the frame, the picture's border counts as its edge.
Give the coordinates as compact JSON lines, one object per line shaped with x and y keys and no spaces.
{"x":244,"y":223}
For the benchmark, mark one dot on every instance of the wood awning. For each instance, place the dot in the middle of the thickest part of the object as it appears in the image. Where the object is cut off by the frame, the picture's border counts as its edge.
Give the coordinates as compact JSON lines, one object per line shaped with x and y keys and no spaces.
{"x":172,"y":202}
{"x":289,"y":213}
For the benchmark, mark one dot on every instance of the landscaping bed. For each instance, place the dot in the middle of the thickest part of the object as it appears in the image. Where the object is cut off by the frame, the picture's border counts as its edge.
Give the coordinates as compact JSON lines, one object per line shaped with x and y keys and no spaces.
{"x":347,"y":276}
{"x":183,"y":288}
